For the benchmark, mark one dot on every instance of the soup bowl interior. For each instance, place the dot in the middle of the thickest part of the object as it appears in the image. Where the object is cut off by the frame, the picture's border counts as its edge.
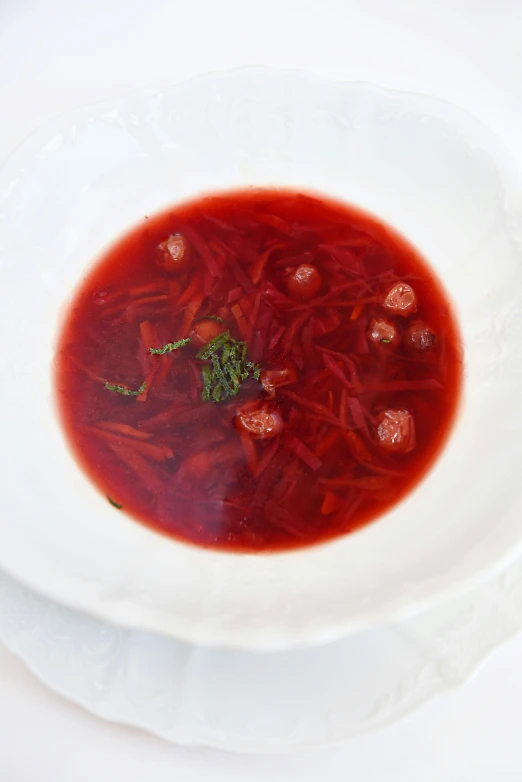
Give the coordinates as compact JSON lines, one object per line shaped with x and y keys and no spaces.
{"x":430,"y":170}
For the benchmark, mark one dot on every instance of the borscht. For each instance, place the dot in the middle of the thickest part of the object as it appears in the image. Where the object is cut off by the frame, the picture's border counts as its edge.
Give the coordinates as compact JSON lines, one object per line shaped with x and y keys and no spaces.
{"x":258,"y":370}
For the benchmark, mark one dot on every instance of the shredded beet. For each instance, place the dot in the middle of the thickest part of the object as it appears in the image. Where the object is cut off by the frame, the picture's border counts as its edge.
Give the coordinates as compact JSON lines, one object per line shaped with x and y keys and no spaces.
{"x":302,"y":451}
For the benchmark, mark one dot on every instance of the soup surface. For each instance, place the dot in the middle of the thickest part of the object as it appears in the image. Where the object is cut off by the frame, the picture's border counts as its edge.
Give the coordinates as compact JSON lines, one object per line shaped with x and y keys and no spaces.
{"x":258,"y":370}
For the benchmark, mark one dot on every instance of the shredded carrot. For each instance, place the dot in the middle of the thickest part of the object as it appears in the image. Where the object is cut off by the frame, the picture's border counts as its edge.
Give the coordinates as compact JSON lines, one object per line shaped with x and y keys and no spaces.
{"x":343,"y":408}
{"x":330,"y":400}
{"x":259,"y":266}
{"x":150,"y":287}
{"x":357,"y":311}
{"x":190,"y":313}
{"x":285,"y":520}
{"x":150,"y":299}
{"x":148,"y":383}
{"x":276,"y":337}
{"x":242,"y":323}
{"x":267,"y":457}
{"x":346,"y":360}
{"x":331,"y":503}
{"x":292,"y":331}
{"x":253,"y":318}
{"x":250,"y":452}
{"x":357,"y":447}
{"x":328,"y":442}
{"x":189,"y":292}
{"x":148,"y":336}
{"x":316,"y":407}
{"x":357,"y":414}
{"x":274,"y":221}
{"x":124,"y":306}
{"x":336,"y":370}
{"x":235,"y":295}
{"x":158,"y":453}
{"x":302,"y":451}
{"x":88,"y":371}
{"x":125,"y":429}
{"x":203,"y":250}
{"x":139,"y":466}
{"x":240,"y":275}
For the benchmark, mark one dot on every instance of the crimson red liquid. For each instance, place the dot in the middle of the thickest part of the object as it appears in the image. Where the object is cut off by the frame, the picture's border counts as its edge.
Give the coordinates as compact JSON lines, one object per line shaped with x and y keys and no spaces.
{"x":346,"y":307}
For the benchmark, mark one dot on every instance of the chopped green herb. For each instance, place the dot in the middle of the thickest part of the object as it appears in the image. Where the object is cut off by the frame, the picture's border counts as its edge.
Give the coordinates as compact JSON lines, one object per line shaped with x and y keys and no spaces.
{"x":214,"y":345}
{"x":169,"y":347}
{"x":385,"y":341}
{"x":114,"y":504}
{"x":255,"y":369}
{"x":222,"y":377}
{"x":206,"y":373}
{"x":229,"y":367}
{"x":125,"y":391}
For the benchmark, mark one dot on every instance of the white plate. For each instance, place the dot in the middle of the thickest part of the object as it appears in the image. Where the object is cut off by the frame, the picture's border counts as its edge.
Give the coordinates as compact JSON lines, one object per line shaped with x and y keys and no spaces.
{"x":247,"y":702}
{"x":428,"y":168}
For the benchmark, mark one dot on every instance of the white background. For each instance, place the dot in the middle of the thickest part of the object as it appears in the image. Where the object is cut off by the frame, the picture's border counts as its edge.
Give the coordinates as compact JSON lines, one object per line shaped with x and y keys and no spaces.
{"x":57,"y":54}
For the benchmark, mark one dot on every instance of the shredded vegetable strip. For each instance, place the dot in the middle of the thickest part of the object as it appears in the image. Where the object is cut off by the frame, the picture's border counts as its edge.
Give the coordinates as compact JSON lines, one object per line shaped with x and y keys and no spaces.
{"x":125,"y":429}
{"x":249,"y":448}
{"x":190,"y":313}
{"x":140,"y":467}
{"x":158,"y":453}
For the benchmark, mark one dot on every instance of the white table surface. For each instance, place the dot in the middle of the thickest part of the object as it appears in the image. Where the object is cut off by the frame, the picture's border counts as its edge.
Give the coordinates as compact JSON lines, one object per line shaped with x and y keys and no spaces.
{"x":57,"y":54}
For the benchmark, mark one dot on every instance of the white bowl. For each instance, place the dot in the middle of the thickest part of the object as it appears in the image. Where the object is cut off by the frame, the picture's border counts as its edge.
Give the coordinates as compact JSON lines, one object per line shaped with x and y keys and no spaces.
{"x":429,"y":169}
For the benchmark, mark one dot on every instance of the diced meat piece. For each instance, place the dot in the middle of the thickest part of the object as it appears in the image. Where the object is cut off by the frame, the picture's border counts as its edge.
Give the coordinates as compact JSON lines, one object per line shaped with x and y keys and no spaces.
{"x":205,"y":330}
{"x":401,"y":299}
{"x":396,"y":431}
{"x":304,"y":281}
{"x":419,"y":336}
{"x":383,"y":331}
{"x":174,"y":255}
{"x":276,"y":378}
{"x":260,"y":424}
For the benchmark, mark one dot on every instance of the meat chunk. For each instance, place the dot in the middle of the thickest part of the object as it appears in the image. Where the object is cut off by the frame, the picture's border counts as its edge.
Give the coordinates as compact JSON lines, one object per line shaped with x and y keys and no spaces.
{"x":401,"y":299}
{"x":395,"y":431}
{"x":304,"y":282}
{"x":382,"y":330}
{"x":275,"y":378}
{"x":261,"y":423}
{"x":174,"y":255}
{"x":205,"y":330}
{"x":419,"y":336}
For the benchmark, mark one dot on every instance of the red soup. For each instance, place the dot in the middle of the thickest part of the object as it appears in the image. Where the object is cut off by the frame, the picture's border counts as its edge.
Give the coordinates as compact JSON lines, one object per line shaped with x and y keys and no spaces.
{"x":258,"y":370}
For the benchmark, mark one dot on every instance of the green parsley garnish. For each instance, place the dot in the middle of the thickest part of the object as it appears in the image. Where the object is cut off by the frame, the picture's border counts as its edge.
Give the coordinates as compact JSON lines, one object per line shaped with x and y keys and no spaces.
{"x":114,"y":504}
{"x":125,"y":391}
{"x":169,"y":347}
{"x":229,"y":367}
